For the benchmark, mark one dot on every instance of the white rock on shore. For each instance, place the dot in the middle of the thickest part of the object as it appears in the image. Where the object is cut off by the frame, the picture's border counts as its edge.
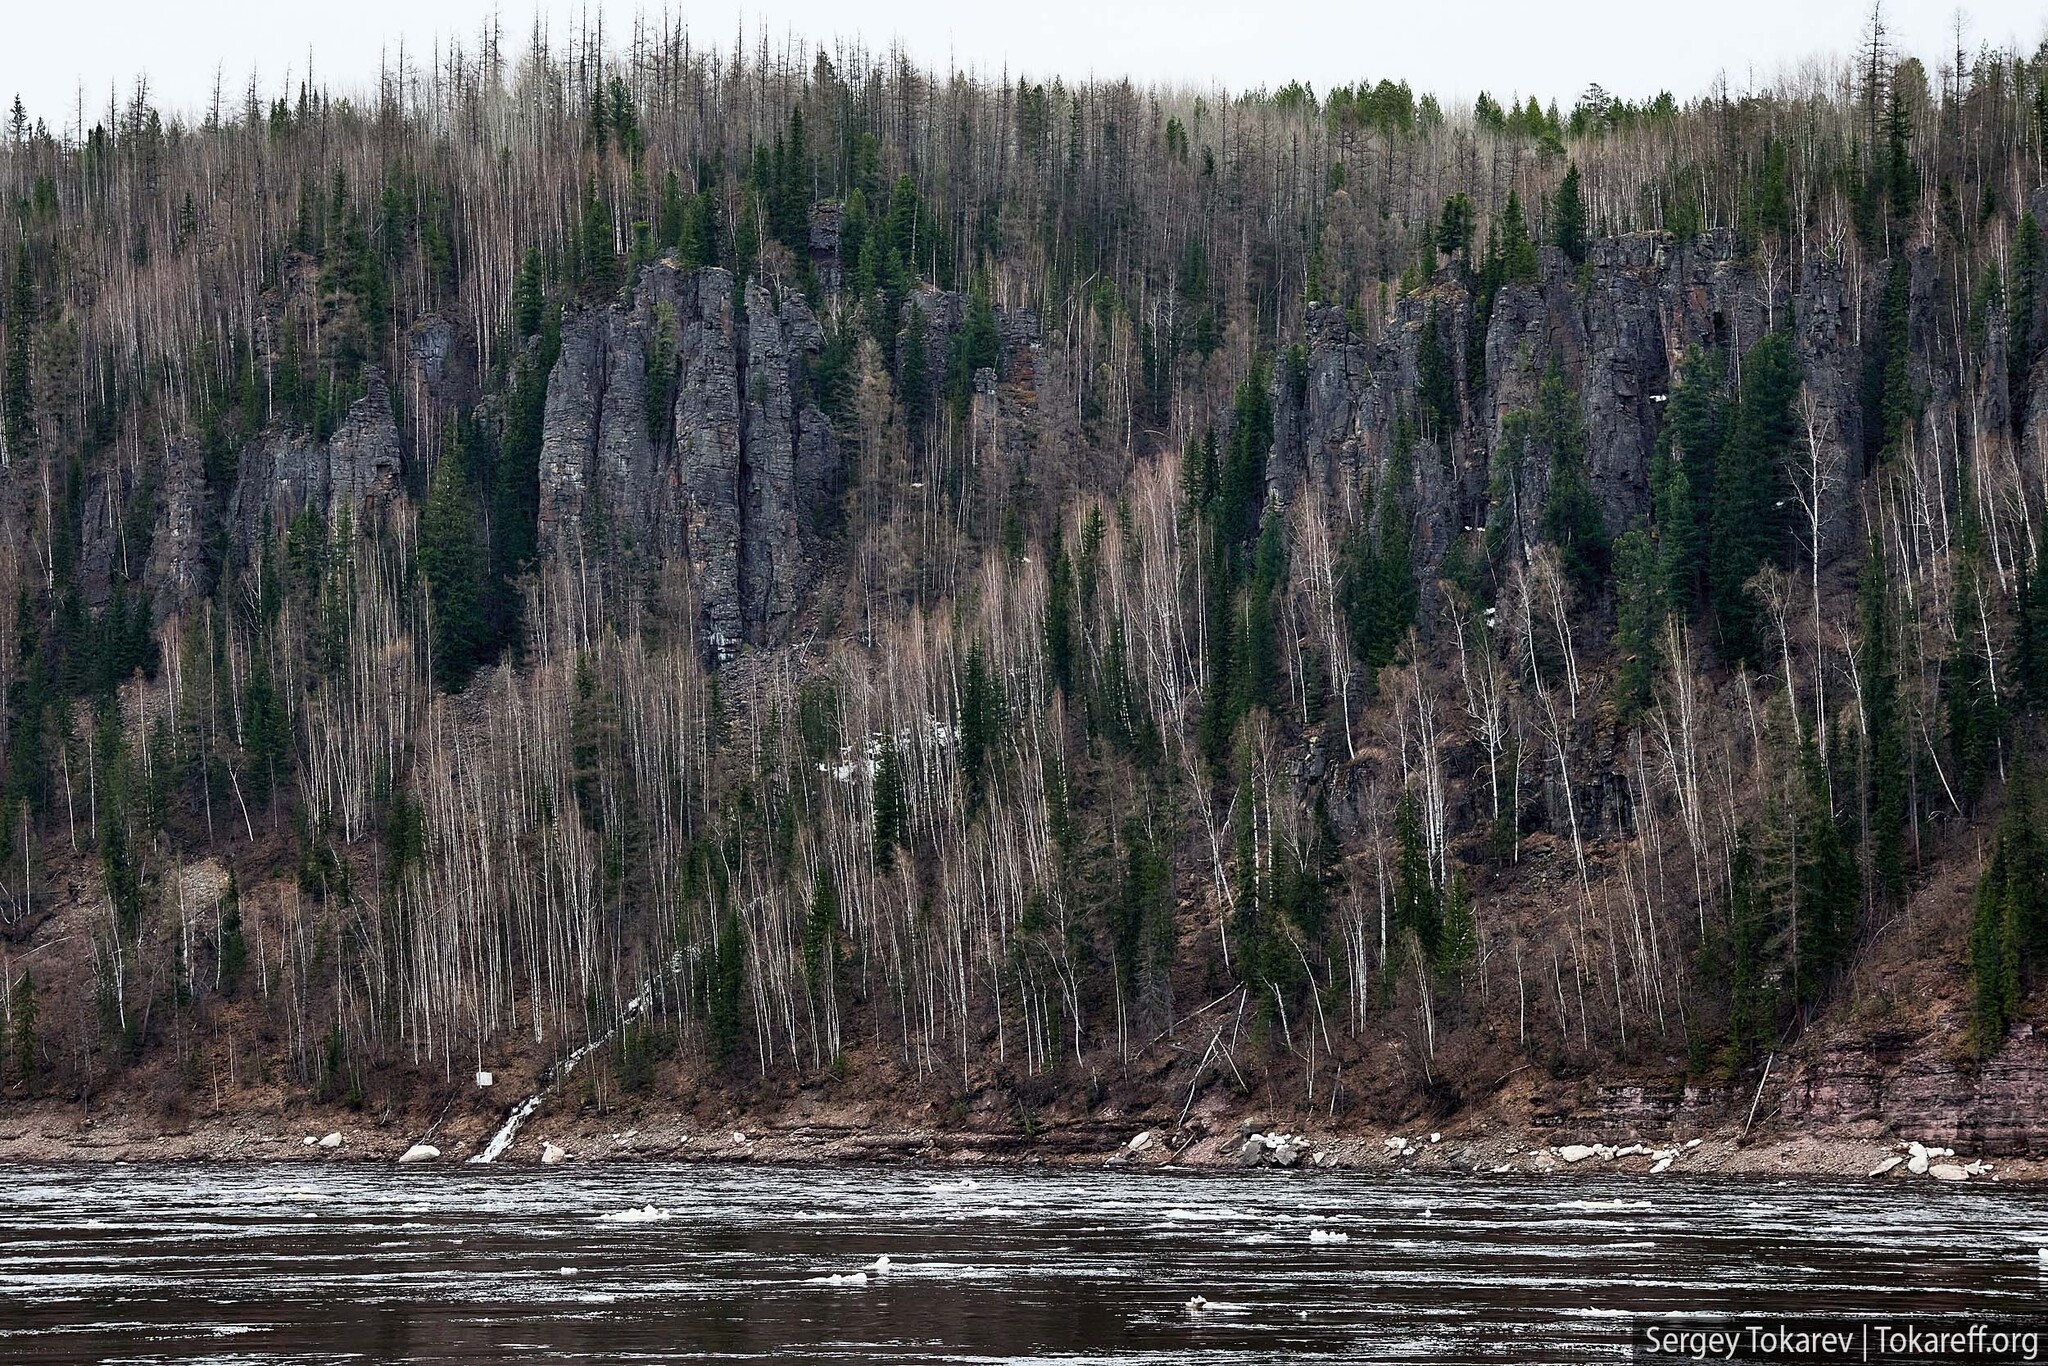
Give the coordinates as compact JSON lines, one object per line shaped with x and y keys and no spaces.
{"x":420,"y":1152}
{"x":1662,"y":1165}
{"x":552,"y":1154}
{"x":331,"y":1141}
{"x":1917,"y":1163}
{"x":1948,"y":1171}
{"x":1141,"y":1141}
{"x":1576,"y":1152}
{"x":1881,"y":1168}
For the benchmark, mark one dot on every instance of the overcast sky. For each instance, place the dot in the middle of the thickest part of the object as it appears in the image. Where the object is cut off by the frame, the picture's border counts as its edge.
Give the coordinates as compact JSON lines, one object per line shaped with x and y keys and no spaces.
{"x":1554,"y":48}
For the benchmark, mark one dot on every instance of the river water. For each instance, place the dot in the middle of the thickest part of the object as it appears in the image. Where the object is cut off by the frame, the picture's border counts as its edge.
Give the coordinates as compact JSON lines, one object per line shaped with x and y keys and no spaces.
{"x":343,"y":1262}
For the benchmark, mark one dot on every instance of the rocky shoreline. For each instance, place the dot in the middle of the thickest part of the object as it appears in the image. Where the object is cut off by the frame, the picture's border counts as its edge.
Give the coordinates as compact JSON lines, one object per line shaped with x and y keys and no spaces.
{"x":58,"y":1134}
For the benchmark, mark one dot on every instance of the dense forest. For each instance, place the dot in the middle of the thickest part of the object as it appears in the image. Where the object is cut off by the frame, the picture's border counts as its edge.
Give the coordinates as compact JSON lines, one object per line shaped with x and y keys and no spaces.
{"x":816,"y":572}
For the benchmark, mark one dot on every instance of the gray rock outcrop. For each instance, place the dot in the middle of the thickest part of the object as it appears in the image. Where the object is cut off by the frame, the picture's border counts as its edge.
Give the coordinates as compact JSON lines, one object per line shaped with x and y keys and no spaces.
{"x":287,"y":474}
{"x":1618,"y":330}
{"x":738,"y":475}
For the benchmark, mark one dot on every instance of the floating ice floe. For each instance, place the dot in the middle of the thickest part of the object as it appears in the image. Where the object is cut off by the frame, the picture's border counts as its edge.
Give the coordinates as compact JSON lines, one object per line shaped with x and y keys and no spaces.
{"x":1323,"y":1235}
{"x":851,"y":1278}
{"x":646,"y":1214}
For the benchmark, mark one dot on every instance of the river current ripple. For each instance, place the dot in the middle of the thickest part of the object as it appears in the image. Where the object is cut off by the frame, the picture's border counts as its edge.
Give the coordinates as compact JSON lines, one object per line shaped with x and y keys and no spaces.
{"x":340,"y":1262}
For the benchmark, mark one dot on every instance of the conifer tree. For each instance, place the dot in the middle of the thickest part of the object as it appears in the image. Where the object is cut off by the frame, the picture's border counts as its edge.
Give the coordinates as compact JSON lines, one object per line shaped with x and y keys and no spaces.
{"x":1376,"y":580}
{"x":1884,"y":729}
{"x":232,"y":959}
{"x":1059,"y":617}
{"x":1435,"y":393}
{"x":2022,"y":294}
{"x":1681,"y":477}
{"x":27,"y":1045}
{"x":1417,"y":903}
{"x":2009,"y":923}
{"x":600,"y":255}
{"x":1458,"y":940}
{"x":1973,"y":712}
{"x":17,"y":416}
{"x":1752,"y":1005}
{"x":981,"y":723}
{"x":1749,"y":493}
{"x":451,"y":556}
{"x":2030,"y":635}
{"x":891,"y":810}
{"x":1572,"y":520}
{"x":727,"y":988}
{"x":1825,"y":912}
{"x":1568,"y":217}
{"x":527,"y":296}
{"x":1639,"y":608}
{"x":1454,"y":227}
{"x":913,"y":375}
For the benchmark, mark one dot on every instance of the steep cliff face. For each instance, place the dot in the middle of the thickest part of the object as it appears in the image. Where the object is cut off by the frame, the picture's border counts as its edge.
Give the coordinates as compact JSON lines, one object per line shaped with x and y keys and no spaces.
{"x":569,"y":436}
{"x":1881,"y":1079}
{"x":1618,"y":330}
{"x":780,"y":332}
{"x":178,"y":571}
{"x":706,"y":470}
{"x":287,"y":474}
{"x":678,"y":429}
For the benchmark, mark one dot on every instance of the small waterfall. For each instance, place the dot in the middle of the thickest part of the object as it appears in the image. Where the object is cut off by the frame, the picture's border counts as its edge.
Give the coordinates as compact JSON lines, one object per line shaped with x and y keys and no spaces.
{"x":502,"y":1140}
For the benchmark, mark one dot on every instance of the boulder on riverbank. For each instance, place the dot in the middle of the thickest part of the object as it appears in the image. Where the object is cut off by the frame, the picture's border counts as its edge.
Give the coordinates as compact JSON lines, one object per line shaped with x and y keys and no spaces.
{"x":420,"y":1152}
{"x":1285,"y":1151}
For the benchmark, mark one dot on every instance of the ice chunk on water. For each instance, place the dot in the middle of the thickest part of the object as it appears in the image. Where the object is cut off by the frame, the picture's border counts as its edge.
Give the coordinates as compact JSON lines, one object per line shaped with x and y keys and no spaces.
{"x":646,"y":1214}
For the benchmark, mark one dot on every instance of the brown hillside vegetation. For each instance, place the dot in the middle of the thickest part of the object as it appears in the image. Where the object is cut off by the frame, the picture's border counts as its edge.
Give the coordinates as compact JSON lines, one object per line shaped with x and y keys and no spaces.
{"x":1023,"y":613}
